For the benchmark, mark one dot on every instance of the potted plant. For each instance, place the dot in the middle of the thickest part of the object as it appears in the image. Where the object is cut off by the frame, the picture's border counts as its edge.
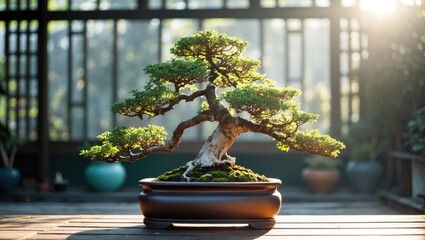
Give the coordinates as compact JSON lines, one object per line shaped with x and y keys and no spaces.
{"x":199,"y":191}
{"x":363,"y":170}
{"x":321,"y":174}
{"x":9,"y":144}
{"x":415,"y":144}
{"x":416,"y":131}
{"x":102,"y":176}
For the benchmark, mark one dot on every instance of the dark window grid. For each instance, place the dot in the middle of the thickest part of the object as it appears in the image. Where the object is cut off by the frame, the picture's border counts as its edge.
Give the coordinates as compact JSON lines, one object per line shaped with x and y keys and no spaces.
{"x":72,"y":104}
{"x":288,"y":78}
{"x":350,"y":75}
{"x":83,"y":103}
{"x":20,"y":74}
{"x":52,"y":17}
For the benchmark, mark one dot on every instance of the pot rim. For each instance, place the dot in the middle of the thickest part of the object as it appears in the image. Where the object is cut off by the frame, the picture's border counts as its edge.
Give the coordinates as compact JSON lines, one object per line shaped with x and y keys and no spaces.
{"x":149,"y":181}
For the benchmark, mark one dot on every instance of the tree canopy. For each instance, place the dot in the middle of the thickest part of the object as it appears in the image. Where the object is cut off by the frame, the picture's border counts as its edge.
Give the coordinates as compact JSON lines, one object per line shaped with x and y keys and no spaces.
{"x":216,"y":61}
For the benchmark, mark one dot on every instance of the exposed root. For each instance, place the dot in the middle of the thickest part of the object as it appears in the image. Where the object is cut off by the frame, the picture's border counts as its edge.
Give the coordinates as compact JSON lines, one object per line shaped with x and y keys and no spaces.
{"x":213,"y":162}
{"x":190,"y":166}
{"x":230,"y":160}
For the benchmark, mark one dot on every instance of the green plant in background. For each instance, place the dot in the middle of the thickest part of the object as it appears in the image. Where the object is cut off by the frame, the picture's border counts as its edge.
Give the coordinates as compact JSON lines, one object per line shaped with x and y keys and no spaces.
{"x":9,"y":145}
{"x":250,"y":103}
{"x":392,"y":81}
{"x":321,"y":162}
{"x":416,"y":130}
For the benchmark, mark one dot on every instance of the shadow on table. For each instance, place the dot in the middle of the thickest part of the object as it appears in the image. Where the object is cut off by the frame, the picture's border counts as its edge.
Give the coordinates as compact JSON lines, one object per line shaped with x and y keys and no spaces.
{"x":181,"y":233}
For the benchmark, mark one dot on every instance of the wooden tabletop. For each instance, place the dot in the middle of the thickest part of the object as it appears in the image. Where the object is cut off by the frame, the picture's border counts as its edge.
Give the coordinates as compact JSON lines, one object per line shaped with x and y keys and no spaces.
{"x":129,"y":227}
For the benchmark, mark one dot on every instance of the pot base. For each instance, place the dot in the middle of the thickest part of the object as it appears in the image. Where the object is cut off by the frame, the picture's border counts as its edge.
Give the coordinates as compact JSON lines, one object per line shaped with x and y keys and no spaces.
{"x":252,"y":203}
{"x":259,"y":224}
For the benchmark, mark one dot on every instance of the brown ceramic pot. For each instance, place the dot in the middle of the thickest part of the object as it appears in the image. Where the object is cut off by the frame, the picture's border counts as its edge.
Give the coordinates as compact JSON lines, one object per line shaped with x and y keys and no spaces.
{"x":252,"y":203}
{"x":320,"y":180}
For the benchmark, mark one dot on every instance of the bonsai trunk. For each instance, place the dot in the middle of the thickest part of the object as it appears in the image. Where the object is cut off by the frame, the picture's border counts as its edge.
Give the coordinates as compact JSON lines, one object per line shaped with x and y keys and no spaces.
{"x":214,"y":150}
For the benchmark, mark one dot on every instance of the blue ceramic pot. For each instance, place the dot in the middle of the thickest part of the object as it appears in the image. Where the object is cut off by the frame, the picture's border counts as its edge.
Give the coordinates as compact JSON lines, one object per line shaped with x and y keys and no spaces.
{"x":9,"y":179}
{"x":105,"y":177}
{"x":364,"y":175}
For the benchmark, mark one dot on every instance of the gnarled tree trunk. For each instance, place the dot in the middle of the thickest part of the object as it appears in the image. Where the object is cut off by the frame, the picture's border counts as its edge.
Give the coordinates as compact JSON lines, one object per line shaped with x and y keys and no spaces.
{"x":214,"y":150}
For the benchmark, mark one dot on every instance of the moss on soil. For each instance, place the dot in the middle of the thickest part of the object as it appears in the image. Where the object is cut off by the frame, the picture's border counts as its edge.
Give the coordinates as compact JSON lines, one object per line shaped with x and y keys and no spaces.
{"x":222,"y":173}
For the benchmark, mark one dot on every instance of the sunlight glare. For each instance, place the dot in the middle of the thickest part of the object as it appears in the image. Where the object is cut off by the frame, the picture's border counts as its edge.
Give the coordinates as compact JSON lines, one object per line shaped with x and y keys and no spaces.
{"x":378,"y":6}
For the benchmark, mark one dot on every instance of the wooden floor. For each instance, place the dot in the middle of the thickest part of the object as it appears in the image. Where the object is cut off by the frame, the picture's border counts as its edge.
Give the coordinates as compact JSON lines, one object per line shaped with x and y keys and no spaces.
{"x":129,"y":227}
{"x":338,"y":216}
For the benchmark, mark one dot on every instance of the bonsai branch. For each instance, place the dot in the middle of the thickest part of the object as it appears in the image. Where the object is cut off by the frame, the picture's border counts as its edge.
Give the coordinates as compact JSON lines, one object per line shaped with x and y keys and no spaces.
{"x":169,"y":146}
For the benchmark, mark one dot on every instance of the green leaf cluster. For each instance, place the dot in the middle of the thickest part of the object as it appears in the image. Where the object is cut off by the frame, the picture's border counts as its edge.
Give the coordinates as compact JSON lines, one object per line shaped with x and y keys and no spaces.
{"x":416,"y":130}
{"x":262,"y":101}
{"x":312,"y":142}
{"x":124,"y":141}
{"x":151,"y":101}
{"x":222,"y":53}
{"x":181,"y":73}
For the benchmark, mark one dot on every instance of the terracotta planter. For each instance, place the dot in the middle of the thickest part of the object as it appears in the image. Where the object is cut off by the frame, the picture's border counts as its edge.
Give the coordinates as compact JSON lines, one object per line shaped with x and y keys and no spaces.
{"x":320,"y":180}
{"x":252,"y":203}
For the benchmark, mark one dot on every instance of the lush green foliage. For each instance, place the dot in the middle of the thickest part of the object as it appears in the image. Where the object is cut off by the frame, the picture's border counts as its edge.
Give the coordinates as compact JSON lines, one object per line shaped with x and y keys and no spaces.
{"x":182,"y":74}
{"x":312,"y":142}
{"x":149,"y":102}
{"x":123,"y":140}
{"x":264,"y":101}
{"x":216,"y":60}
{"x":416,"y":129}
{"x":9,"y":144}
{"x":223,"y":55}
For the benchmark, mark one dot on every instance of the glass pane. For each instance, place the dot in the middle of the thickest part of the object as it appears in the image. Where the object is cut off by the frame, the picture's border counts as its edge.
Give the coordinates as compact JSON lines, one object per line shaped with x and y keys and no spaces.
{"x":344,"y":40}
{"x":77,"y":117}
{"x":295,"y":56}
{"x":155,"y":4}
{"x":237,"y":3}
{"x":355,"y":60}
{"x":246,"y":29}
{"x":274,"y":50}
{"x":23,"y":65}
{"x":323,"y":3}
{"x":344,"y":63}
{"x":173,"y":30}
{"x":134,"y":54}
{"x":294,"y":24}
{"x":114,"y":4}
{"x":268,"y":3}
{"x":58,"y":45}
{"x":175,"y":4}
{"x":202,"y":4}
{"x":295,"y":3}
{"x":99,"y":76}
{"x":57,"y":5}
{"x":83,"y":5}
{"x":317,"y":92}
{"x":77,"y":69}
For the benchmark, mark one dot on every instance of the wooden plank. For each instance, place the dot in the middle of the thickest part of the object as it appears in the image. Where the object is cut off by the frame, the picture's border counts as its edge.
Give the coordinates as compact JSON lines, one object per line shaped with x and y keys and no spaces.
{"x":132,"y":237}
{"x":77,"y":227}
{"x":6,"y":235}
{"x":244,"y":231}
{"x":350,"y":218}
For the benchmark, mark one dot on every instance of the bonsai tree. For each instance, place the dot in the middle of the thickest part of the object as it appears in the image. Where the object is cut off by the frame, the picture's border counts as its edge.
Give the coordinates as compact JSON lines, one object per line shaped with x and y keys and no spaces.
{"x":250,"y":103}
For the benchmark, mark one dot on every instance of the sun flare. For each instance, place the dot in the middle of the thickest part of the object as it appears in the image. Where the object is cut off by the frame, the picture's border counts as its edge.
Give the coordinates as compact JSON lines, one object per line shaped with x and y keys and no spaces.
{"x":378,"y":6}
